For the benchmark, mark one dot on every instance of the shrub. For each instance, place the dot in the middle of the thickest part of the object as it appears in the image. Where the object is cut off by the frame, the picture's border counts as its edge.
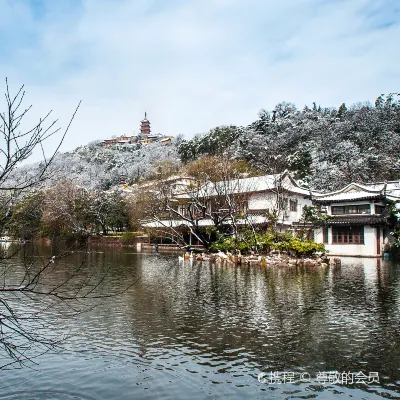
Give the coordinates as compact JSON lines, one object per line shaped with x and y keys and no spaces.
{"x":282,"y":241}
{"x":128,"y":237}
{"x":299,"y":247}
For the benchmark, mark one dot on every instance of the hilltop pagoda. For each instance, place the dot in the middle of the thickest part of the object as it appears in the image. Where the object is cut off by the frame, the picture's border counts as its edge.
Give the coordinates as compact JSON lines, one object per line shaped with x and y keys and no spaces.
{"x":145,"y":126}
{"x":144,"y":137}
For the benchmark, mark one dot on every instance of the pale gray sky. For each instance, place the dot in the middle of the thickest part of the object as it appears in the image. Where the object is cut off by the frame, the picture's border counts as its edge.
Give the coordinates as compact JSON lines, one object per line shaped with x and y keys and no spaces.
{"x":194,"y":64}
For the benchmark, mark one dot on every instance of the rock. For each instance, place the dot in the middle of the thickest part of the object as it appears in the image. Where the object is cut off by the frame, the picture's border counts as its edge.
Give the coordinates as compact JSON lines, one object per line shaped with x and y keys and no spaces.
{"x":309,"y":263}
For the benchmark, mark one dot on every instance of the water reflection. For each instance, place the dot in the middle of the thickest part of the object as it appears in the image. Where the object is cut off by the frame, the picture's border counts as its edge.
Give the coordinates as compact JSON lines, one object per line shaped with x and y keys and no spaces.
{"x":192,"y":329}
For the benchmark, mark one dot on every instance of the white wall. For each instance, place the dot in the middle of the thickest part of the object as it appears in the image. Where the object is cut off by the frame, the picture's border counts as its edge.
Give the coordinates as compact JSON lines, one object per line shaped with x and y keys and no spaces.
{"x":294,"y":216}
{"x":259,"y":200}
{"x":366,"y":249}
{"x":264,"y":200}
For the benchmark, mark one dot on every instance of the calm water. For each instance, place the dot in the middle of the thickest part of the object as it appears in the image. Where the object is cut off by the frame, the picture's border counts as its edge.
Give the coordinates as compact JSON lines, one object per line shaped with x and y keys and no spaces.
{"x":197,"y":331}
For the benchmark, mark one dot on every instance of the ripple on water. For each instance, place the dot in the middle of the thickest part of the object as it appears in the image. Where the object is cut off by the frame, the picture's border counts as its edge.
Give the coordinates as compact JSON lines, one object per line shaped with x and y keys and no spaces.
{"x":46,"y":395}
{"x":199,"y":331}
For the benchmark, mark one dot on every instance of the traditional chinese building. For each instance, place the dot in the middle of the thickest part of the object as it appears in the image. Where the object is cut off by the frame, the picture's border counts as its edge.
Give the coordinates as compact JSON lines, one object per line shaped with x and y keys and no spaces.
{"x":360,"y":223}
{"x":360,"y":219}
{"x":253,"y":198}
{"x":143,"y":138}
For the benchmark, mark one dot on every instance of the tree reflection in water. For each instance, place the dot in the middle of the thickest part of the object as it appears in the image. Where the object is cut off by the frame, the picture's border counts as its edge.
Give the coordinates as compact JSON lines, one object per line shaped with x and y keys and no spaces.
{"x":185,"y":327}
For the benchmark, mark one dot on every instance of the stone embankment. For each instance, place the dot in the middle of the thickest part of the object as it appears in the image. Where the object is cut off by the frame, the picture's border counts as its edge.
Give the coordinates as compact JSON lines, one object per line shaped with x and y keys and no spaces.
{"x":116,"y":241}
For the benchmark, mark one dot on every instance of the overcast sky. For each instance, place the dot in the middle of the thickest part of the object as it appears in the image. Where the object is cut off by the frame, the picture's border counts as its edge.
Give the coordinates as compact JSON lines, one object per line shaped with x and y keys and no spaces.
{"x":194,"y":64}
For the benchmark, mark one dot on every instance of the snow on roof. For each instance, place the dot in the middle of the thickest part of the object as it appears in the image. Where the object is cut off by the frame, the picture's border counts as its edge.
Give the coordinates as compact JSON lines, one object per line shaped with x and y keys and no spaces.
{"x":352,"y":187}
{"x":357,"y":191}
{"x":268,"y":182}
{"x":175,"y":179}
{"x":254,"y":184}
{"x":174,"y":223}
{"x":349,"y":196}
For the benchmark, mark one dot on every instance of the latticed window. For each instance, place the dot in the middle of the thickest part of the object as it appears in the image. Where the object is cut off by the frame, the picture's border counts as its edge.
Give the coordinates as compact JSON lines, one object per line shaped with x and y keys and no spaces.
{"x":348,"y":234}
{"x":353,"y":209}
{"x":293,"y":205}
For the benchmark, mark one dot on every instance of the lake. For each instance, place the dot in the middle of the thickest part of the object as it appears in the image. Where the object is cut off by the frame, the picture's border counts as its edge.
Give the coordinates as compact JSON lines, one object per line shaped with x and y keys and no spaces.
{"x":192,"y":330}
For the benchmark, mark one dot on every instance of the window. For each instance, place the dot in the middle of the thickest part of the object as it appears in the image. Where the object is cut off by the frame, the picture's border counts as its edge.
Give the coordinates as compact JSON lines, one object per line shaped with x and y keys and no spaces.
{"x":355,"y":209}
{"x":325,"y":234}
{"x":182,"y":210}
{"x":379,"y":209}
{"x":348,"y":234}
{"x":293,"y":205}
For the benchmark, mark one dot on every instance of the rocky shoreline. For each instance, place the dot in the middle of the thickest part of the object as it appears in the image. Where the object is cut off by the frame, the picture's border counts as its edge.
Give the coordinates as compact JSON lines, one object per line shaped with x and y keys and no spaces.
{"x":263,"y":260}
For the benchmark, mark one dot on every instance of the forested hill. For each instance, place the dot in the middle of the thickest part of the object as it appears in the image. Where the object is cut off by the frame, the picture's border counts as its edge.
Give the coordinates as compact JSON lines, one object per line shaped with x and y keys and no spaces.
{"x":95,"y":167}
{"x":324,"y":147}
